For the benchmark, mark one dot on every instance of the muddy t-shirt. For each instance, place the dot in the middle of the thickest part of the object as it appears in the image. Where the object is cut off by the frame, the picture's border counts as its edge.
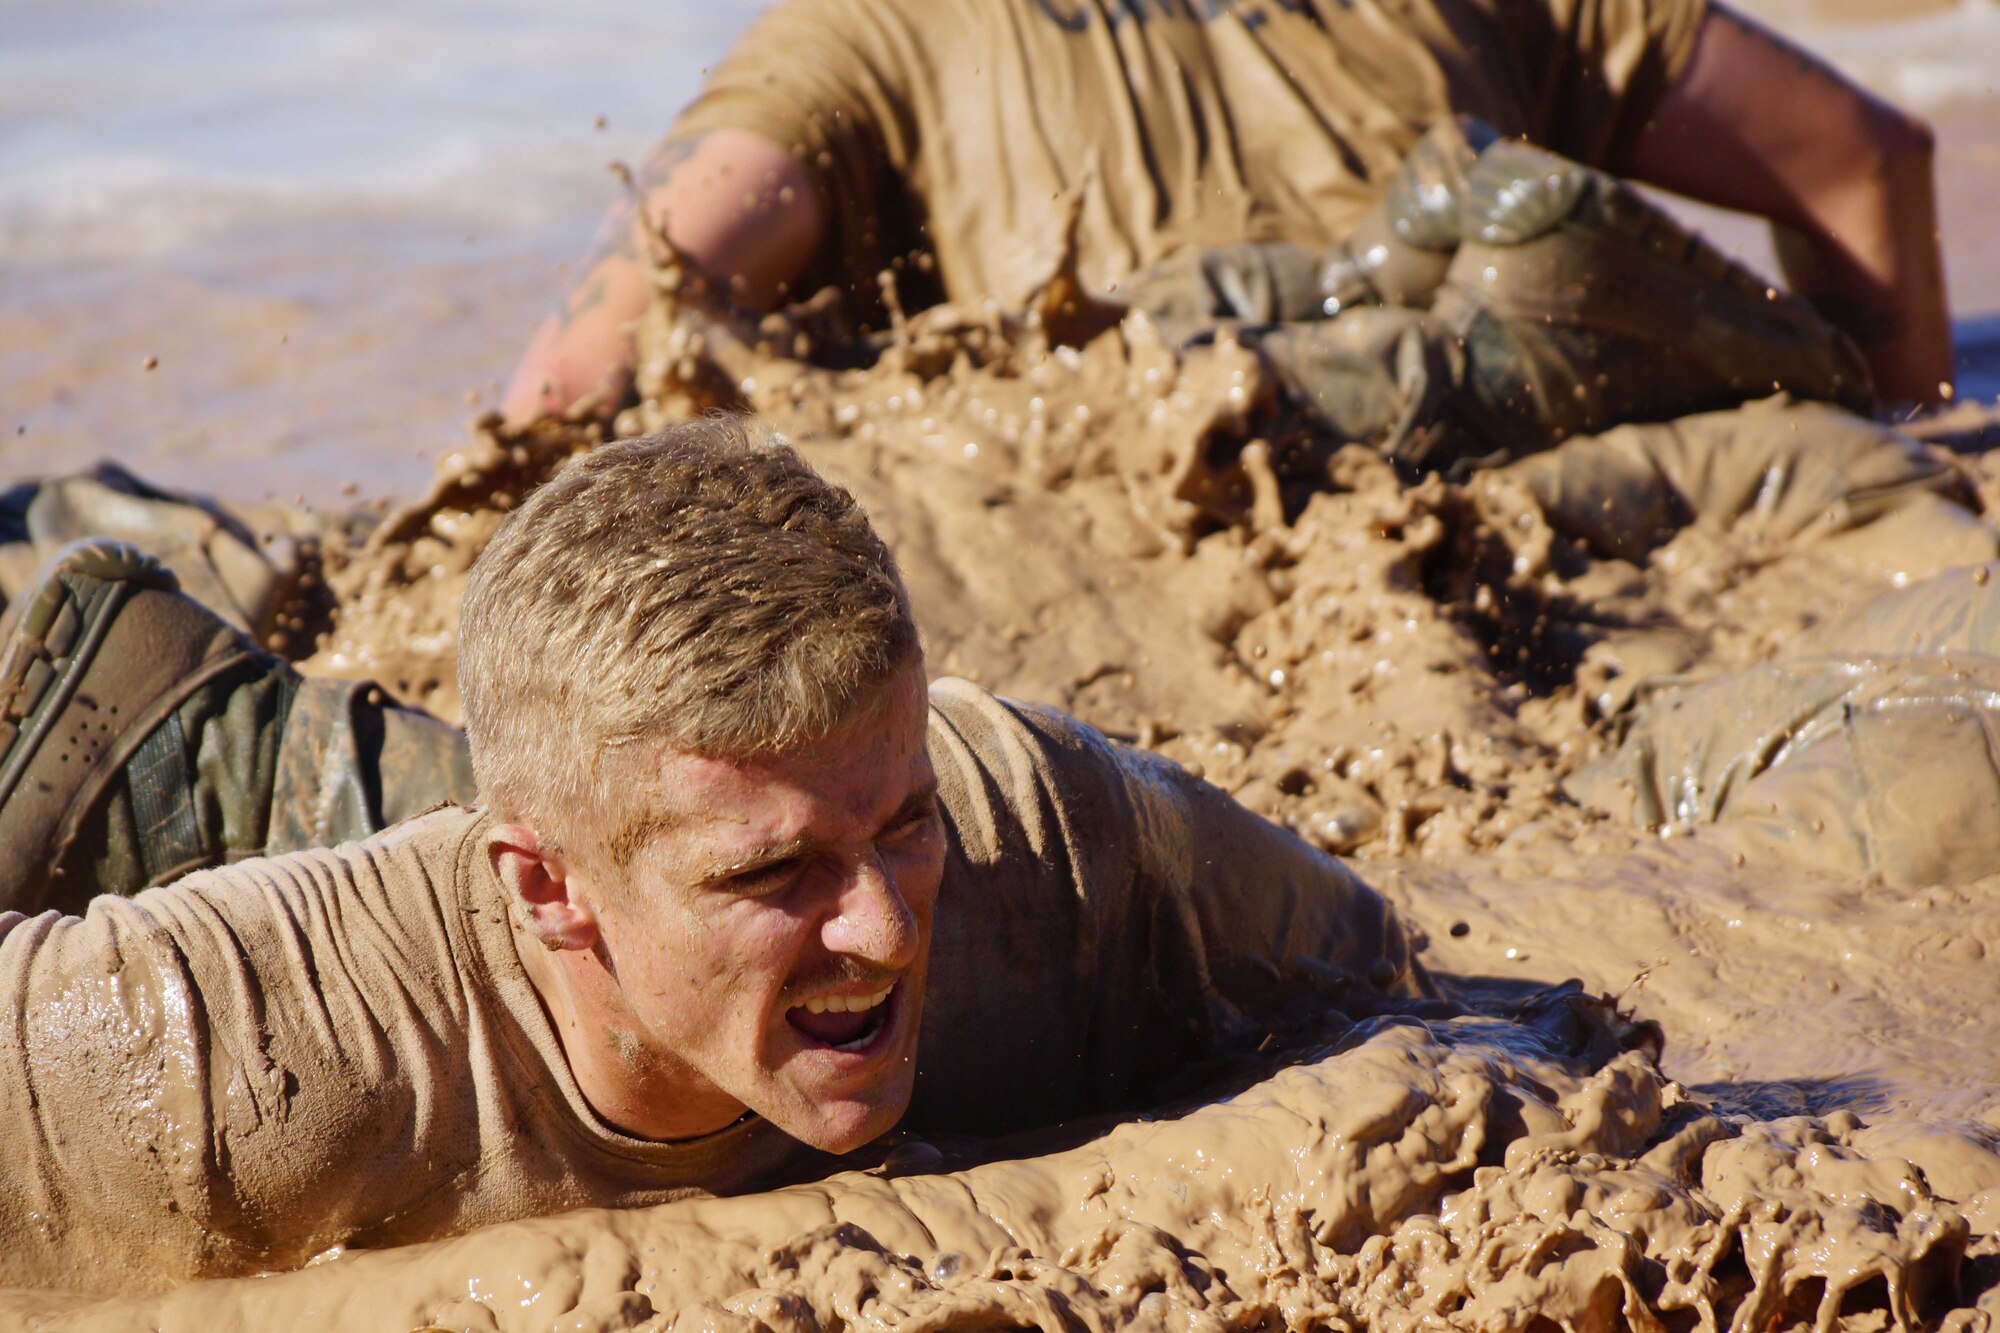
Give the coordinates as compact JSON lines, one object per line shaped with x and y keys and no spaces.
{"x":978,"y":133}
{"x":258,"y":1062}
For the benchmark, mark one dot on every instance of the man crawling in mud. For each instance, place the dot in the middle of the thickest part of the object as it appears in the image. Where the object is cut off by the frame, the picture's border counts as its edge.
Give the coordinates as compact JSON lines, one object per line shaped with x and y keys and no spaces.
{"x":1354,"y":181}
{"x":733,"y":884}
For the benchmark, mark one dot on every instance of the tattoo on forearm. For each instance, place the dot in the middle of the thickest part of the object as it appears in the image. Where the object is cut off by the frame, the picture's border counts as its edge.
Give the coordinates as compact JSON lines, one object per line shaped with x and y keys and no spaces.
{"x":582,"y":299}
{"x":665,"y":158}
{"x":618,"y":239}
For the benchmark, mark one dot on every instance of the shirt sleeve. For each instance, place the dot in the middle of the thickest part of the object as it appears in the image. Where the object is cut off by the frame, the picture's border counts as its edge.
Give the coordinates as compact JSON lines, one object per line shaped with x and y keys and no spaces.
{"x":1107,"y":918}
{"x":1599,"y":68}
{"x":104,"y":1177}
{"x":195,"y":1085}
{"x":825,"y":79}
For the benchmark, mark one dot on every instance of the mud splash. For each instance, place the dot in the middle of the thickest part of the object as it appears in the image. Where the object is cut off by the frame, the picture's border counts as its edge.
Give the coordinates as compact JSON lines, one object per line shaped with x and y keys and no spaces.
{"x":1404,"y":1176}
{"x":1405,"y":673}
{"x":1149,"y":538}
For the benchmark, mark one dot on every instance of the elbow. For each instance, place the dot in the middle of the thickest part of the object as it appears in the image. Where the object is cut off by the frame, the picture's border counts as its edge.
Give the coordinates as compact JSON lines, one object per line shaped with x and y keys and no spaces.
{"x":1895,"y":172}
{"x":1888,"y":143}
{"x":1899,"y":137}
{"x":1880,"y":156}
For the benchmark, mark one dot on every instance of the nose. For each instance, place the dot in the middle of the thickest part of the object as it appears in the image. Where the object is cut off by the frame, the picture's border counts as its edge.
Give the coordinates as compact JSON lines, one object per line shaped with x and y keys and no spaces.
{"x":871,"y":920}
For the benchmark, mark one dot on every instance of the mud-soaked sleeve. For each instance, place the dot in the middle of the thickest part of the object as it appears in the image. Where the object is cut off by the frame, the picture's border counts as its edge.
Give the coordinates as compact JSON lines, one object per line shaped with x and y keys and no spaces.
{"x":826,"y":79}
{"x":194,"y":1080}
{"x":1105,"y":918}
{"x":1597,"y":69}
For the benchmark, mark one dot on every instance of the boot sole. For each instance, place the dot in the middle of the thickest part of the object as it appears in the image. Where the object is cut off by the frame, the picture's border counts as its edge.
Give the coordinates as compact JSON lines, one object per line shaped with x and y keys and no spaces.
{"x":97,"y":608}
{"x":51,"y":630}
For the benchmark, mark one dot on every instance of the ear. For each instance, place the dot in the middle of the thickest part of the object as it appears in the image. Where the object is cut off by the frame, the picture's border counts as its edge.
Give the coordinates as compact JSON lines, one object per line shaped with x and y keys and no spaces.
{"x":542,"y":887}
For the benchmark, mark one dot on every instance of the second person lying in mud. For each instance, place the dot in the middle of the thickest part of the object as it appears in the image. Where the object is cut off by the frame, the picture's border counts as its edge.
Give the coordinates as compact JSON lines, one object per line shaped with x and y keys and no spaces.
{"x":1267,"y":162}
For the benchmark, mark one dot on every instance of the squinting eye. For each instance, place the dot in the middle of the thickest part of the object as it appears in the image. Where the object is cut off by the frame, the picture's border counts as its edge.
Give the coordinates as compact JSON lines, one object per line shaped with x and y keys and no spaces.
{"x":917,"y":824}
{"x":764,"y":879}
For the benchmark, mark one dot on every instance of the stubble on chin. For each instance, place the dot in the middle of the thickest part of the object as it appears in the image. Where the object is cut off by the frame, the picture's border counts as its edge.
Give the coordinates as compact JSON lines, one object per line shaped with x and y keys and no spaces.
{"x":631,"y":1051}
{"x":641,"y":1057}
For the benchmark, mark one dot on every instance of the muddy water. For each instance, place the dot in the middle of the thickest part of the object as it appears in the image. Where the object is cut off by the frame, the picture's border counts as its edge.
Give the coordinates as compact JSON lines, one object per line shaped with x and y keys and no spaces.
{"x":1405,"y":674}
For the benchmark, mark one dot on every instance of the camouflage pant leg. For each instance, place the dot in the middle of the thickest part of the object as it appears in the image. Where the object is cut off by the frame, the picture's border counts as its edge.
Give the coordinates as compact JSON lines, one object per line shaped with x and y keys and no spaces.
{"x":1908,"y":790}
{"x":244,"y":562}
{"x":1379,"y":375}
{"x":1567,"y":303}
{"x":251,"y":761}
{"x":197,"y":793}
{"x":1581,"y":305}
{"x":1879,"y":764}
{"x":261,"y":762}
{"x":1795,"y":470}
{"x":353,"y":764}
{"x":1191,"y":290}
{"x":1396,"y":255}
{"x":1956,"y":613}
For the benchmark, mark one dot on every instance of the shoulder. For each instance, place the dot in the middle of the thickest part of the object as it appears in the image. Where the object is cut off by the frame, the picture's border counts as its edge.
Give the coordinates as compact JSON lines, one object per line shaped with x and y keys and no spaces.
{"x":435,"y":839}
{"x":809,"y":47}
{"x":1025,"y":778}
{"x":828,"y":27}
{"x":259,"y":1039}
{"x":972,"y":719}
{"x":1013,"y":741}
{"x":988,"y":750}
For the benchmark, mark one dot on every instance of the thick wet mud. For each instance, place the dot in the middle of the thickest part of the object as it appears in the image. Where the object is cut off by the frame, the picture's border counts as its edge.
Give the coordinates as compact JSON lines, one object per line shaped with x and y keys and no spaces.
{"x":1411,"y":674}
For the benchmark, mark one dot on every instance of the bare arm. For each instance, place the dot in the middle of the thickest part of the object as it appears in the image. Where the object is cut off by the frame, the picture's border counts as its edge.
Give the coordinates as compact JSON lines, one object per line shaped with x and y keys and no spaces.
{"x":1759,"y":125}
{"x":735,"y":204}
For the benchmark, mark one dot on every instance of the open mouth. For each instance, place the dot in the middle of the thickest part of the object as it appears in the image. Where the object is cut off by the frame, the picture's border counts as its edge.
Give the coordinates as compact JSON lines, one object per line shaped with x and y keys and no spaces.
{"x":844,"y":1022}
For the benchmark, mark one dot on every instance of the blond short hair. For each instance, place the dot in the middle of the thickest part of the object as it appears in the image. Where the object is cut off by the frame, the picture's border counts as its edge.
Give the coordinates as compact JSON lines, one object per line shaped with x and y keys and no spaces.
{"x":702,"y":588}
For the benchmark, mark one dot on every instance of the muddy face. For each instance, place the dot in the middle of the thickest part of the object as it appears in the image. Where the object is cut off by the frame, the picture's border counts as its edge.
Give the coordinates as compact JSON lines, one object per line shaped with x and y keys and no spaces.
{"x":772,"y":938}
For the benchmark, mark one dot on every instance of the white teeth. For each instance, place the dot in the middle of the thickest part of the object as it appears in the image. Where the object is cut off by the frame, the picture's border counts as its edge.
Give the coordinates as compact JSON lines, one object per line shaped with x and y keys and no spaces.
{"x":845,"y":1004}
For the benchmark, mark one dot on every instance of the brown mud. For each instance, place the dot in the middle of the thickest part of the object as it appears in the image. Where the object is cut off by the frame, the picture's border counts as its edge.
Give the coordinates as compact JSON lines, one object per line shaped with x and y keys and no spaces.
{"x":1403,"y":673}
{"x":1403,"y":1176}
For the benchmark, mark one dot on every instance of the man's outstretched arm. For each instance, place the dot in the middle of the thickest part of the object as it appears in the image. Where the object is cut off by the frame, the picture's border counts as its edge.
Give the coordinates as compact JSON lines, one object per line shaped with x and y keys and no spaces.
{"x":737,"y":205}
{"x":1759,"y":125}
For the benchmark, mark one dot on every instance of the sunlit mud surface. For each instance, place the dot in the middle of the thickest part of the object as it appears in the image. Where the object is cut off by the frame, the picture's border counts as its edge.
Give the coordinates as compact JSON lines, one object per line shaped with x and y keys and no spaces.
{"x":1408,"y":674}
{"x":1403,"y":1176}
{"x":1405,"y":674}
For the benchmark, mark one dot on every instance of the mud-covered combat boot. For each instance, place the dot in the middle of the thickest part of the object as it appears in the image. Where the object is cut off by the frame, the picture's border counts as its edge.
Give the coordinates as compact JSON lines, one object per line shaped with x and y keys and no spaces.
{"x":1253,"y":283}
{"x":1499,"y":299}
{"x":1397,"y":254}
{"x":142,"y":737}
{"x":95,"y":655}
{"x":1581,"y":305}
{"x":1379,"y":375}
